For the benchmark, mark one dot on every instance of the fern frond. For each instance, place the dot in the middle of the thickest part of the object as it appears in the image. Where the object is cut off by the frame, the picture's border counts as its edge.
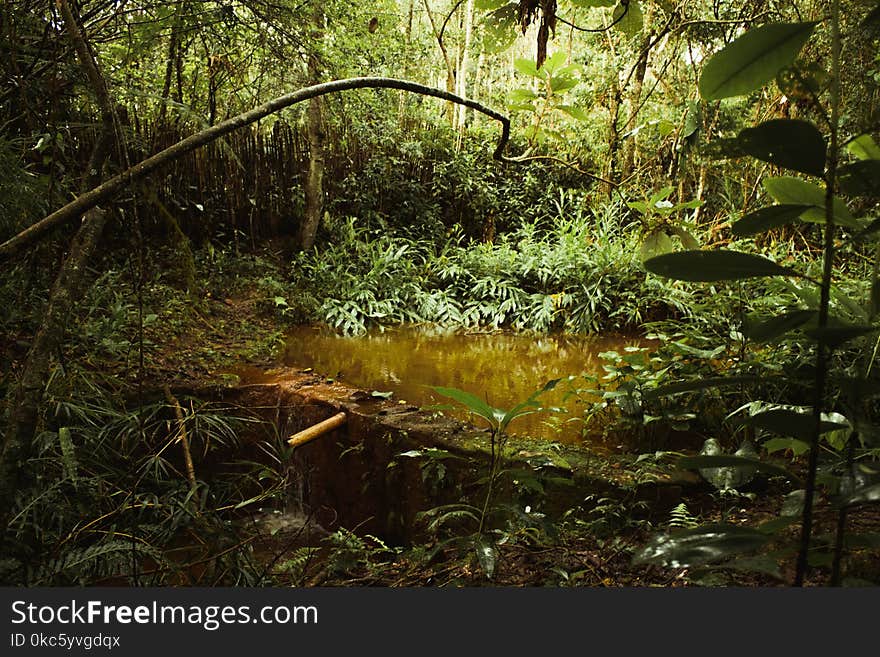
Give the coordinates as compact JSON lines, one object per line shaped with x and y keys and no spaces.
{"x":452,"y":516}
{"x":681,"y":518}
{"x":111,"y":557}
{"x":298,"y":561}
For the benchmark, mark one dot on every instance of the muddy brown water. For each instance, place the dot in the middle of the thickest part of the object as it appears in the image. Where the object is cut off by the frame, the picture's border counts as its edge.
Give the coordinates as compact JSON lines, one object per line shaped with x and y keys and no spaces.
{"x":501,"y":368}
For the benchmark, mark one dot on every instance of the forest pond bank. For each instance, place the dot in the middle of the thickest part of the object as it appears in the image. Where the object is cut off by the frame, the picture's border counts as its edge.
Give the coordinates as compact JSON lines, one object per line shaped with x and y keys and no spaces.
{"x":502,"y":367}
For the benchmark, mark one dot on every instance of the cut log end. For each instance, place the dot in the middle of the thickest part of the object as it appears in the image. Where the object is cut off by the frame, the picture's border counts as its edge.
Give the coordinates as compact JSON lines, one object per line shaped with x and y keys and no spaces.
{"x":317,"y":430}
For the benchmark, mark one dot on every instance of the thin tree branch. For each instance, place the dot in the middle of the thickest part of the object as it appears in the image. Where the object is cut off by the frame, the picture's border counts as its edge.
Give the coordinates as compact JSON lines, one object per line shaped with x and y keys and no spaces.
{"x":624,"y":4}
{"x":446,"y":20}
{"x":565,"y":163}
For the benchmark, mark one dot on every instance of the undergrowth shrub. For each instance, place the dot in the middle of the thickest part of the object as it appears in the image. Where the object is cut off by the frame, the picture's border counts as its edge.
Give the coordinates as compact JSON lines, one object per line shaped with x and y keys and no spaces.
{"x":433,"y":179}
{"x":579,"y":273}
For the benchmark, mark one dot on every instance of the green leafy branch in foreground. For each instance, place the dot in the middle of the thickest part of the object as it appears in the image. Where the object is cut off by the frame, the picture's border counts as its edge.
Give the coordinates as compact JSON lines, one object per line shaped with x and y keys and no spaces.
{"x":498,"y":421}
{"x":745,"y":65}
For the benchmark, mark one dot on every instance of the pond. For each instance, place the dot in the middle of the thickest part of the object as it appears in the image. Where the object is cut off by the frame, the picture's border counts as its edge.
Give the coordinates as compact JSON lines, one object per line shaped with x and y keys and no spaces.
{"x":501,"y":368}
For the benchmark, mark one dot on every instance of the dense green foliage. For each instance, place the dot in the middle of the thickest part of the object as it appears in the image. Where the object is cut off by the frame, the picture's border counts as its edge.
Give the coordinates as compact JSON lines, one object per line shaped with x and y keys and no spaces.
{"x":705,"y":173}
{"x":539,"y":277}
{"x":744,"y":65}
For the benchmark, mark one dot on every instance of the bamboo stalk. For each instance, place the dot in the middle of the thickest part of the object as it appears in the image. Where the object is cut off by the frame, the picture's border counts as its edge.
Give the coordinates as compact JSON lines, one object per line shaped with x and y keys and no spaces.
{"x":317,"y":430}
{"x":184,"y":438}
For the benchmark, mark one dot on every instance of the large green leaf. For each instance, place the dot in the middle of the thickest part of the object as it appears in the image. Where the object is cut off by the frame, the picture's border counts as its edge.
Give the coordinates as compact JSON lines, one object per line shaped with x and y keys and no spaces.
{"x":794,"y":191}
{"x":687,"y":238}
{"x":753,"y":59}
{"x":711,"y":447}
{"x":740,"y":470}
{"x":702,"y":545}
{"x":711,"y":461}
{"x":796,"y":445}
{"x":716,"y":265}
{"x":768,"y":218}
{"x":788,"y":143}
{"x":472,"y":403}
{"x":864,"y":147}
{"x":870,"y":231}
{"x":776,"y":525}
{"x":854,"y":309}
{"x":860,"y":178}
{"x":770,"y":329}
{"x":574,"y":112}
{"x":693,"y":119}
{"x":499,"y":27}
{"x":655,"y":244}
{"x":768,"y":564}
{"x":632,"y":21}
{"x":522,"y":95}
{"x":836,"y":335}
{"x":700,"y":384}
{"x":554,"y":65}
{"x":562,"y":83}
{"x":526,"y":67}
{"x":793,"y":503}
{"x":794,"y":423}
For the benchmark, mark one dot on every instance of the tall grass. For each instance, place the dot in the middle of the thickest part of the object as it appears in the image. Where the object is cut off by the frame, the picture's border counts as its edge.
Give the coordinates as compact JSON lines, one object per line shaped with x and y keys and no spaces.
{"x":106,"y":499}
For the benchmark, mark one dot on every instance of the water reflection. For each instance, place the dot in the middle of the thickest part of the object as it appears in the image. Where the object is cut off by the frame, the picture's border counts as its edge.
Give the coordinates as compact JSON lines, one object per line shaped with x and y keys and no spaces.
{"x":502,"y":368}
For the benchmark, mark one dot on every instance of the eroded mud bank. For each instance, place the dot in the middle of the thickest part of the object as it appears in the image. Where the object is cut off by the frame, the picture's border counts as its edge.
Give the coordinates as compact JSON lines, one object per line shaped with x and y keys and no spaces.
{"x":375,"y":472}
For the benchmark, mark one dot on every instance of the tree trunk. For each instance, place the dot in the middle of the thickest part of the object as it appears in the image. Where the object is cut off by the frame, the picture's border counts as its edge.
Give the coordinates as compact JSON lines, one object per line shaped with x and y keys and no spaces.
{"x":611,"y":161}
{"x":314,"y":191}
{"x":68,"y":287}
{"x":171,"y":62}
{"x":615,"y":97}
{"x":450,"y":65}
{"x":635,"y":96}
{"x":315,"y":181}
{"x":465,"y":63}
{"x":401,"y":106}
